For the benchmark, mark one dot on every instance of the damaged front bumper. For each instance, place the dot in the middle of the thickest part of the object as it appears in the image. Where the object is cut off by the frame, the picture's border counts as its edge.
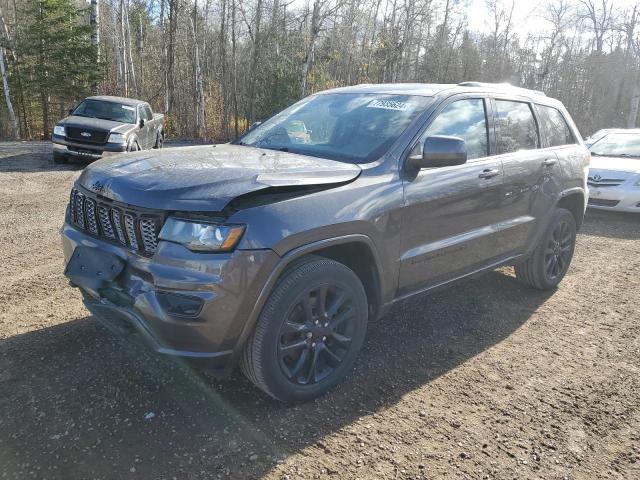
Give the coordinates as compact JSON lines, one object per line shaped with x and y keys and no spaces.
{"x":181,"y":303}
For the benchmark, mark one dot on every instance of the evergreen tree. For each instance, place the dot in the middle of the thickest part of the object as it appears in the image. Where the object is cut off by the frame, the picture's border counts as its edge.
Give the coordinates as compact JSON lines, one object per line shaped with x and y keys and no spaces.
{"x":57,"y":59}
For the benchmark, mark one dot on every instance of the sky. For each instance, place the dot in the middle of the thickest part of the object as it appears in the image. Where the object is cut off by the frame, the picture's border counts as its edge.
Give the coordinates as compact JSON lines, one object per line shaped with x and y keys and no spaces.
{"x":528,"y":14}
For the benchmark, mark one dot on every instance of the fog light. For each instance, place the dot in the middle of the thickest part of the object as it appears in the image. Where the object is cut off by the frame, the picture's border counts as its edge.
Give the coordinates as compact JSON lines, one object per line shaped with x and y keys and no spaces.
{"x":180,"y":305}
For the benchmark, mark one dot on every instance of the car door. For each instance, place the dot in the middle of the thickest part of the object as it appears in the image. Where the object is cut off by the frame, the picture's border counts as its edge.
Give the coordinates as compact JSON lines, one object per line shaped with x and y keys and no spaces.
{"x":452,"y":215}
{"x":528,"y":169}
{"x":143,"y":132}
{"x":153,"y":126}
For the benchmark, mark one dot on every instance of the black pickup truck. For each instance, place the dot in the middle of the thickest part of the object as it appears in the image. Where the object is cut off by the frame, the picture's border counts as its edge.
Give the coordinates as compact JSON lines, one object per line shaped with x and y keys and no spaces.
{"x":103,"y":125}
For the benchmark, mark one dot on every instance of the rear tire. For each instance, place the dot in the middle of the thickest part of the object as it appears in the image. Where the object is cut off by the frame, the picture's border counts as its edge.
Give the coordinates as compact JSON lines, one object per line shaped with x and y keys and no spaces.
{"x":159,"y":141}
{"x":549,"y":262}
{"x":309,"y":332}
{"x":60,"y":159}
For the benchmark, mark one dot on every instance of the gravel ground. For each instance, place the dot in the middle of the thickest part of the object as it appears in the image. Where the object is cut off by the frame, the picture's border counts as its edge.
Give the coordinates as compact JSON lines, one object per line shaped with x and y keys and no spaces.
{"x":486,"y":379}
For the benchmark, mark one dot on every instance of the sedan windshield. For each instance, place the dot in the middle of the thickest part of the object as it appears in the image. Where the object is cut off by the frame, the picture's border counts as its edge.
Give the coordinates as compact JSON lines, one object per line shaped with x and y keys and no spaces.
{"x":618,"y":145}
{"x":349,"y":127}
{"x":117,"y":112}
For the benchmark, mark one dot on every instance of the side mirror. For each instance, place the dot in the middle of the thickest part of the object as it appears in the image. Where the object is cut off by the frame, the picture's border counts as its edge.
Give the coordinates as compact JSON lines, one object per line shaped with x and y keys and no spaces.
{"x":439,"y":151}
{"x":71,"y":111}
{"x":141,"y":122}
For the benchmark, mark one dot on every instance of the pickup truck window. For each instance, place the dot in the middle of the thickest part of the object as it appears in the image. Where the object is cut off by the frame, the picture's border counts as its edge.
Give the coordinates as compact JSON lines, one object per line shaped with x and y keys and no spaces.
{"x":117,"y":112}
{"x":465,"y":119}
{"x":356,"y":128}
{"x":148,"y":115}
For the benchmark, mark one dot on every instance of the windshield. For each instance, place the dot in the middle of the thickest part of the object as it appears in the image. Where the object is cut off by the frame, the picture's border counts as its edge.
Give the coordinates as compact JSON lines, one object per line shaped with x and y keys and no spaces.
{"x":350,"y":127}
{"x":618,"y":145}
{"x":106,"y":111}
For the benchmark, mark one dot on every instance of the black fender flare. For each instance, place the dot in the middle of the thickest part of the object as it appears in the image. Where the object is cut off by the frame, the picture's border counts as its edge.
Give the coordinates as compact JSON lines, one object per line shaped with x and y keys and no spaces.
{"x":285,"y":261}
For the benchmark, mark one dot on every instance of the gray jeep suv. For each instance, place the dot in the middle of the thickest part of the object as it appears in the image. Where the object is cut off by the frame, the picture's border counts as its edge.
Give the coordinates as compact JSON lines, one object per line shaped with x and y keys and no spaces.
{"x":275,"y":251}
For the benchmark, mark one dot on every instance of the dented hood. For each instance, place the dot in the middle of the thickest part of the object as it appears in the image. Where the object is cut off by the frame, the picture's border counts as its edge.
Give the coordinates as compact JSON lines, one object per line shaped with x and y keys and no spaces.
{"x":206,"y":178}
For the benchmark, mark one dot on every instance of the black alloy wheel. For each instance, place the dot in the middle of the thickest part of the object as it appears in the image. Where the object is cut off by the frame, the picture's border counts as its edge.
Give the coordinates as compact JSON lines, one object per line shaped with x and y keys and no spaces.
{"x":309,"y":332}
{"x":316,"y":335}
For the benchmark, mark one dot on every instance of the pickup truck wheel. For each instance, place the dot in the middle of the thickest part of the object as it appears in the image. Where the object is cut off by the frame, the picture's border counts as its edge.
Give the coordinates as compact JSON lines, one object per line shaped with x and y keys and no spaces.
{"x":159,"y":141}
{"x":309,"y":332}
{"x":549,"y":263}
{"x":133,"y":147}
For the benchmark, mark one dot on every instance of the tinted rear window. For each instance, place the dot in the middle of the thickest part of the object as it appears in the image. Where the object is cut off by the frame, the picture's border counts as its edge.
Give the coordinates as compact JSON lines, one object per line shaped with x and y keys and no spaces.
{"x":516,"y":126}
{"x":554,"y":127}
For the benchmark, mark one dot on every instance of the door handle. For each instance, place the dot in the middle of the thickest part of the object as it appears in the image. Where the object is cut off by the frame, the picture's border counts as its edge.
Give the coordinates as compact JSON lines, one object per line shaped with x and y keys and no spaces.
{"x":549,"y":162}
{"x":489,"y":173}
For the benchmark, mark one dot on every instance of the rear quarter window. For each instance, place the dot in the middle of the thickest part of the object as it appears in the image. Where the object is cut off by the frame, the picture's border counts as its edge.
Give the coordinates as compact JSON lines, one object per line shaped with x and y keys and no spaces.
{"x":554,"y":127}
{"x":516,"y":127}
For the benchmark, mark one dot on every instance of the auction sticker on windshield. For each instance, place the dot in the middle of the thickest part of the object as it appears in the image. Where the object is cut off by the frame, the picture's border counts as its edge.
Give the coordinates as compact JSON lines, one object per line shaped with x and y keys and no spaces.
{"x":390,"y":105}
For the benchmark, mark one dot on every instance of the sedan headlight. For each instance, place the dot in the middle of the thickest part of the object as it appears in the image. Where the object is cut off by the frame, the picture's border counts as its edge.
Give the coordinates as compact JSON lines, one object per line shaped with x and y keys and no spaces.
{"x":202,"y":236}
{"x":59,"y":130}
{"x":117,"y":138}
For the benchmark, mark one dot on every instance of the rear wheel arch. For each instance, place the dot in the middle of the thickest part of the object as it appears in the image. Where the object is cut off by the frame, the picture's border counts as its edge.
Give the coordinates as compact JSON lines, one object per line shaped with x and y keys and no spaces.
{"x":574,"y":201}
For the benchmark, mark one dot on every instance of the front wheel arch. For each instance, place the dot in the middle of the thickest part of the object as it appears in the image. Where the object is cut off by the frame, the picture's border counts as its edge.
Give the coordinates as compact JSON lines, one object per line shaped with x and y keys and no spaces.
{"x":292,"y":257}
{"x":133,"y":141}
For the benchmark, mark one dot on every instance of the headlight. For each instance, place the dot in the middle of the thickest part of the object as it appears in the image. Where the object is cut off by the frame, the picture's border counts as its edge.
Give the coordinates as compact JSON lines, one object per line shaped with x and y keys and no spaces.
{"x":59,"y":130}
{"x":117,"y":138}
{"x":202,"y":236}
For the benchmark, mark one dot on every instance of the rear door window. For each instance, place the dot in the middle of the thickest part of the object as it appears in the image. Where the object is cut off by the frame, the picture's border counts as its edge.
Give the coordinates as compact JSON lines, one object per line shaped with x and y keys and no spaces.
{"x":516,"y":127}
{"x":465,"y":119}
{"x":554,"y":127}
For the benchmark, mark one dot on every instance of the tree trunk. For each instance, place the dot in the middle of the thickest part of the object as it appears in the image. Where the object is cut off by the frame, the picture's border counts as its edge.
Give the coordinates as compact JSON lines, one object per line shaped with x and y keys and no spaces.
{"x":314,"y":30}
{"x":44,"y":98}
{"x":255,"y":57}
{"x":94,"y":21}
{"x":7,"y":96}
{"x":234,"y":86}
{"x":122,"y":52}
{"x":198,"y":89}
{"x":632,"y":118}
{"x":131,"y":68}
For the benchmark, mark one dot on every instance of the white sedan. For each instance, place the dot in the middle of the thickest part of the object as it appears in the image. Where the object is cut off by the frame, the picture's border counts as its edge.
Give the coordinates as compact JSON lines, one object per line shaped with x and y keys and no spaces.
{"x":614,"y":174}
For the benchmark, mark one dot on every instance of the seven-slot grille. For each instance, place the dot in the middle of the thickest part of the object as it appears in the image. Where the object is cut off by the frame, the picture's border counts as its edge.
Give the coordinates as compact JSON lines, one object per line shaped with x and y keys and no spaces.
{"x":86,"y":135}
{"x":138,"y":231}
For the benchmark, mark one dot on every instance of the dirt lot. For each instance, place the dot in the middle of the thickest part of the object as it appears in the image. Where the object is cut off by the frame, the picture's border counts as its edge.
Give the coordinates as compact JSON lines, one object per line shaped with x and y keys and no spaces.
{"x":484,"y":380}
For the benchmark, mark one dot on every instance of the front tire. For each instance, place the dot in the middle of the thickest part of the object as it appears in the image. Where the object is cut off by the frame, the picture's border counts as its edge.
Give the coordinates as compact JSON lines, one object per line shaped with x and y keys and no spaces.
{"x":549,"y":263}
{"x":159,"y":141}
{"x":309,"y":332}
